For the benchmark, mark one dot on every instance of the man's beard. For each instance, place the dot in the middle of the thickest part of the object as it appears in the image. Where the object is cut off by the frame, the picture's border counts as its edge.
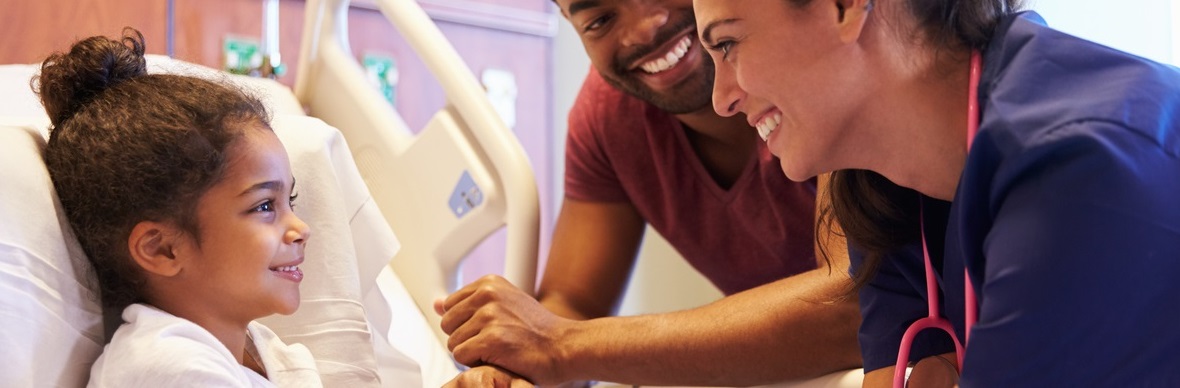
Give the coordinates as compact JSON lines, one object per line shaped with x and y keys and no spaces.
{"x":691,"y":95}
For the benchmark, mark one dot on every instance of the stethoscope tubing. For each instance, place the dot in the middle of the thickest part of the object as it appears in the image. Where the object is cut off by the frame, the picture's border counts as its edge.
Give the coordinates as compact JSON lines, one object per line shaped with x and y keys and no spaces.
{"x":935,"y":320}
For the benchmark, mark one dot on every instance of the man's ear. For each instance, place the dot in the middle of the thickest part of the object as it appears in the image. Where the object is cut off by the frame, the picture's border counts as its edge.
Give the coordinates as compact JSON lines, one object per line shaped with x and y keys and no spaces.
{"x":851,"y":16}
{"x":153,"y":247}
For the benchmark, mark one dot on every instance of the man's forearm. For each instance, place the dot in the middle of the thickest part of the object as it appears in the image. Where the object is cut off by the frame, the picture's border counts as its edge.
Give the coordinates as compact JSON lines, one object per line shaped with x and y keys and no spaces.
{"x":563,"y":307}
{"x":790,"y":329}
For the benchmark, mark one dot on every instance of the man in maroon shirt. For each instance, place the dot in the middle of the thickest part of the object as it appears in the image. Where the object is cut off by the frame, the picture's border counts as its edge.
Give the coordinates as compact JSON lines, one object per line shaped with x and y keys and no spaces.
{"x":645,"y":146}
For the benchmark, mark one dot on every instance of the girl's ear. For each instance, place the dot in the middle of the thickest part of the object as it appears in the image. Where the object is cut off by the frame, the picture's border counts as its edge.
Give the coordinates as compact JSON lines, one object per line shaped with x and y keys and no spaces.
{"x":153,"y":247}
{"x":851,"y":17}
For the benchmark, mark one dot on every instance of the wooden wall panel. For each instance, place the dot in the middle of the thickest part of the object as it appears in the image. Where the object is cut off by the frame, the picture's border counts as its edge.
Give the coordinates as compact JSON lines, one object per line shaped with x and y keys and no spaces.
{"x":478,"y":5}
{"x":33,"y":29}
{"x":203,"y":25}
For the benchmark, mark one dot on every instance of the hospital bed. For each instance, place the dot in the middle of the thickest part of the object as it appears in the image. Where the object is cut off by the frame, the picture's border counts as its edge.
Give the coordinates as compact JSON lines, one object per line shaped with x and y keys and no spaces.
{"x":364,"y":177}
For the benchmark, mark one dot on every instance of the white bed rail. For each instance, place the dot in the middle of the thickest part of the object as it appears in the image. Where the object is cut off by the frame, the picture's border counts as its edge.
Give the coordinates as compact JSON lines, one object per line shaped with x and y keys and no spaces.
{"x":465,"y":153}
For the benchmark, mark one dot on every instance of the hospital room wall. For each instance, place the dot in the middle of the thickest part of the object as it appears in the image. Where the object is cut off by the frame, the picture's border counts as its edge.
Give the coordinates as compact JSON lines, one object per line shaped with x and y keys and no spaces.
{"x":663,"y":282}
{"x":511,"y":35}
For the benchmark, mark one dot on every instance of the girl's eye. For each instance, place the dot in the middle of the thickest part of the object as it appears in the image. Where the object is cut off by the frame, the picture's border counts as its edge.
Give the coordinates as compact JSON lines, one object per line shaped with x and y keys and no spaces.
{"x":265,"y":207}
{"x":291,"y":200}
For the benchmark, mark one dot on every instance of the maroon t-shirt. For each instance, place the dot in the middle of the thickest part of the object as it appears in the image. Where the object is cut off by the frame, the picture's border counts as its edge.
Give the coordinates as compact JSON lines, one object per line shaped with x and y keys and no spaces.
{"x":622,"y":149}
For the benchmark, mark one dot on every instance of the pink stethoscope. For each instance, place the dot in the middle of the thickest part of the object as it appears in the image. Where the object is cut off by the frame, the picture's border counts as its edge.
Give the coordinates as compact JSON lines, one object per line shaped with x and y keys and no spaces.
{"x":935,"y":320}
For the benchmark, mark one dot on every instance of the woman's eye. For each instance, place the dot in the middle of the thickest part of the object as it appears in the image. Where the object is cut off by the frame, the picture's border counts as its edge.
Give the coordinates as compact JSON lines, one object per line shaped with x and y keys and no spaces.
{"x":722,"y":47}
{"x":291,"y":200}
{"x":265,"y":207}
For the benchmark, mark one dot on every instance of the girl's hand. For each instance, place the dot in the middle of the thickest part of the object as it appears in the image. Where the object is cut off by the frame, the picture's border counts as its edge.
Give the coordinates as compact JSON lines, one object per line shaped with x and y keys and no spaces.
{"x":488,"y":376}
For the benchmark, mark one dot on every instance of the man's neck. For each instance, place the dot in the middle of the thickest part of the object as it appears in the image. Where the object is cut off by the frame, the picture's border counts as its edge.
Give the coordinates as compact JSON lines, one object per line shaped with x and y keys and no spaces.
{"x":732,"y":131}
{"x":724,"y":145}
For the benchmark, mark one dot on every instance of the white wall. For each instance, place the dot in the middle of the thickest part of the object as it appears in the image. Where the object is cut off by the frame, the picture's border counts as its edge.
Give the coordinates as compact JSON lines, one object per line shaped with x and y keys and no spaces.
{"x":570,"y":65}
{"x":1140,"y":27}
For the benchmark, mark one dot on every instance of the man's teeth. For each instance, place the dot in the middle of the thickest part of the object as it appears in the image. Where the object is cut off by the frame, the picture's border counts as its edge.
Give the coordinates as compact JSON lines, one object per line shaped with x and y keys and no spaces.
{"x":768,"y":124}
{"x":670,"y":59}
{"x":285,"y":268}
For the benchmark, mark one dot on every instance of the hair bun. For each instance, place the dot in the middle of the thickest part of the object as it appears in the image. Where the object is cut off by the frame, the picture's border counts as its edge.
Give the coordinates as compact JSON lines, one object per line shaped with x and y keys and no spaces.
{"x":70,"y":80}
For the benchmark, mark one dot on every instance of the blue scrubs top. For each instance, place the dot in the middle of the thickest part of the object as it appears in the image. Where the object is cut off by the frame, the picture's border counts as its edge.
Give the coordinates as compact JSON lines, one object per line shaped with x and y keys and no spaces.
{"x":1067,"y":216}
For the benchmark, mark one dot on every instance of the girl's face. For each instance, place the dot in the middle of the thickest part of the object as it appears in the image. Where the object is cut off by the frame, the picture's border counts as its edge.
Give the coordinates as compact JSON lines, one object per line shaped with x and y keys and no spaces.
{"x":792,"y":70}
{"x":246,"y":263}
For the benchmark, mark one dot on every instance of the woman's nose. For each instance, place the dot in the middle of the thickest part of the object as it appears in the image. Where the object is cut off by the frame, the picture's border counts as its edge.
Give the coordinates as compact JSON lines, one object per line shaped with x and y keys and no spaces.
{"x":727,"y":95}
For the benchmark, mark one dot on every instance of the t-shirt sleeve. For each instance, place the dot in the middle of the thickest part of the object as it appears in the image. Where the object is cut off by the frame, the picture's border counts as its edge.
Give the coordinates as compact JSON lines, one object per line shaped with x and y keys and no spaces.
{"x":1082,"y":262}
{"x":589,"y":173}
{"x":889,"y":303}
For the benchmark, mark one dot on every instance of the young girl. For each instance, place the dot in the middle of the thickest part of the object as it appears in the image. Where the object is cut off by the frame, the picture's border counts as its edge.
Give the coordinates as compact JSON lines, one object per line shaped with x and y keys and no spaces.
{"x":181,"y":197}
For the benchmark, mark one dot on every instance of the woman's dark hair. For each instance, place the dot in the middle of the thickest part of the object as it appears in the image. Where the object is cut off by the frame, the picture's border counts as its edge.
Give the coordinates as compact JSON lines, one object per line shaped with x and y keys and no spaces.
{"x":876,"y":215}
{"x":126,"y":146}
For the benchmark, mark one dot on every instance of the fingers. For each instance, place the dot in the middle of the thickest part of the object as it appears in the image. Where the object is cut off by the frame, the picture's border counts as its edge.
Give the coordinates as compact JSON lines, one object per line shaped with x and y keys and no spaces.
{"x":468,"y":352}
{"x":470,"y":328}
{"x":468,"y":290}
{"x":440,"y":306}
{"x":463,"y":304}
{"x":488,"y":376}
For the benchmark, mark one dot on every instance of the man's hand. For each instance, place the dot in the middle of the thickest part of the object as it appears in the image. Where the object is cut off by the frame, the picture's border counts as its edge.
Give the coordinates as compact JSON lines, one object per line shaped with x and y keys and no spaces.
{"x":490,"y":321}
{"x":487,"y":376}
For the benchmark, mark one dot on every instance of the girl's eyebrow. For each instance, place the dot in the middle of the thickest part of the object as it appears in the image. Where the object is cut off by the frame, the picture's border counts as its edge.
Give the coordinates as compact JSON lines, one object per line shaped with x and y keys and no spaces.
{"x":707,"y":32}
{"x":268,"y":185}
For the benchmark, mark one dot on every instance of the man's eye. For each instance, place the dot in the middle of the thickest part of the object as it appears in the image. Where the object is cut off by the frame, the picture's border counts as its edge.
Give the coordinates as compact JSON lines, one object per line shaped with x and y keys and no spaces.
{"x":596,"y":23}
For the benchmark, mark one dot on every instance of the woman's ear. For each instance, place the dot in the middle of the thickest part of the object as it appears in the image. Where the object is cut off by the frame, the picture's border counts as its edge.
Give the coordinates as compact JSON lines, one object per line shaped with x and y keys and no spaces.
{"x":851,"y":16}
{"x":153,"y":247}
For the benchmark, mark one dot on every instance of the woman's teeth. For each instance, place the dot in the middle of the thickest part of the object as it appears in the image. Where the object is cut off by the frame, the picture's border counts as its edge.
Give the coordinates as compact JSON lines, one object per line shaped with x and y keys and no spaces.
{"x":768,"y":125}
{"x":285,"y":268}
{"x":668,"y":60}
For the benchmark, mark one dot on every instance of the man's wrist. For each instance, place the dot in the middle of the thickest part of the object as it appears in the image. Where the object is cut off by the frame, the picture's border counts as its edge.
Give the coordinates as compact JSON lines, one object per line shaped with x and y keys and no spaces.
{"x":571,"y":350}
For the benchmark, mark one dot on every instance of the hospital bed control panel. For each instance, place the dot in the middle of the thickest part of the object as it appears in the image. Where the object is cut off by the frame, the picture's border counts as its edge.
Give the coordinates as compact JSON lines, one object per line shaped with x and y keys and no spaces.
{"x":466,"y":196}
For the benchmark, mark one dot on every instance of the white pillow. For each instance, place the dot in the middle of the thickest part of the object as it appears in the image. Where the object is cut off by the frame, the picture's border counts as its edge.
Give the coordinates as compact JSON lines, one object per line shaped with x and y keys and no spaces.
{"x":331,"y":320}
{"x":50,"y":317}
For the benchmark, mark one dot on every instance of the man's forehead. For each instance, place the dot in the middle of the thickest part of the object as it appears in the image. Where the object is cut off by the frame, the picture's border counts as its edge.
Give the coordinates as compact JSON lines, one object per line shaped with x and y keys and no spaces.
{"x":571,"y":7}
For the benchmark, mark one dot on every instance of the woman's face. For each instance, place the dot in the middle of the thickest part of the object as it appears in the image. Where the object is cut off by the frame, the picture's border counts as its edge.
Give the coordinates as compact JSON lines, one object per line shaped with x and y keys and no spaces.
{"x":792,"y":69}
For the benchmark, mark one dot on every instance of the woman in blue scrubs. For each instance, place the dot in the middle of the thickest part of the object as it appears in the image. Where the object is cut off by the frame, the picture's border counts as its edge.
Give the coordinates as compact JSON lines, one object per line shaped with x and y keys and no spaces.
{"x":1051,"y":180}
